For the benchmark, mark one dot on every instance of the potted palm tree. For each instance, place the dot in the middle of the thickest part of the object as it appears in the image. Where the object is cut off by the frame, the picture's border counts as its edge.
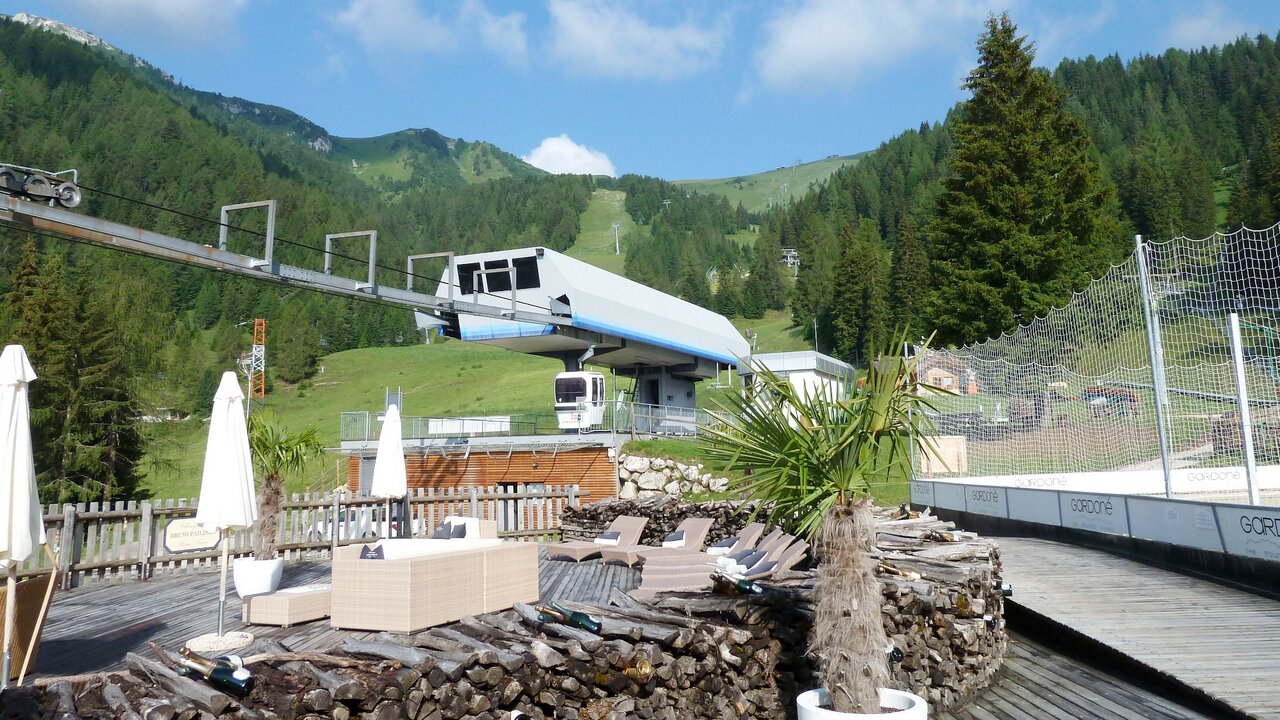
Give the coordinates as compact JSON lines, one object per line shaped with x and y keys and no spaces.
{"x":813,"y":459}
{"x":277,"y":452}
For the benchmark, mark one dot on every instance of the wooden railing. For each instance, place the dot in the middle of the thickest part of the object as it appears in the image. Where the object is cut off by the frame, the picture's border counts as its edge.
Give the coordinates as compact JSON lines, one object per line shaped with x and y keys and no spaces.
{"x":106,"y":542}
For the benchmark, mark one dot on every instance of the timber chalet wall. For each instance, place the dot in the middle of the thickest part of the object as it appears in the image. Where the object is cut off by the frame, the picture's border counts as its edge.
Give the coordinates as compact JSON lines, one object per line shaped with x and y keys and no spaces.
{"x":589,"y":468}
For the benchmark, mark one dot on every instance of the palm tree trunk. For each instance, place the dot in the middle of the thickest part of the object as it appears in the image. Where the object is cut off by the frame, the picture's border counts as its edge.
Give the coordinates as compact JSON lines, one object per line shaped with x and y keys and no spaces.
{"x":269,"y":517}
{"x":849,"y":637}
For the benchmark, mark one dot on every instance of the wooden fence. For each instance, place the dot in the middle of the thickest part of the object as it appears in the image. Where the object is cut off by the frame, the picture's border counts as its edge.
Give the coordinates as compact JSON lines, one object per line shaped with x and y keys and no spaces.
{"x":106,"y":542}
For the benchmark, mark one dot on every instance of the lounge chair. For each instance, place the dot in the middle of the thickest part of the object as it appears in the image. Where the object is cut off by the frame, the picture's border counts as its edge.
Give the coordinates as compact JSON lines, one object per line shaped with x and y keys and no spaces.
{"x":793,"y":555}
{"x":627,"y":527}
{"x":743,"y":540}
{"x":778,"y":551}
{"x":687,"y":539}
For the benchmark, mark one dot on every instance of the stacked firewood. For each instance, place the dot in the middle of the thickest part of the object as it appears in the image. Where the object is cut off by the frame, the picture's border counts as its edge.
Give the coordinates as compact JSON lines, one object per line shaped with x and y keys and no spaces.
{"x":943,"y":607}
{"x":664,"y":512}
{"x":643,"y":662}
{"x":687,"y":655}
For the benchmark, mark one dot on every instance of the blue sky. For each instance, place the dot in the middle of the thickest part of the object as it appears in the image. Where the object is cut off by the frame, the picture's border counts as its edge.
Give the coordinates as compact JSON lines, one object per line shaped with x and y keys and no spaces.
{"x":680,"y":90}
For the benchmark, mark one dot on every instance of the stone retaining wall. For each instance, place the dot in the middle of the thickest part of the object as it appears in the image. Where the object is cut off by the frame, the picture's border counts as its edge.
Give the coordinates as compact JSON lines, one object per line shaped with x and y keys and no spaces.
{"x":645,"y":477}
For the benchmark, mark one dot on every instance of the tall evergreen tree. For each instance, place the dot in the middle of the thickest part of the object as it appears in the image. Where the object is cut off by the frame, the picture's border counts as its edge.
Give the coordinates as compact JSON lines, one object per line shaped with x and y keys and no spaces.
{"x":909,"y":282}
{"x":765,"y":286}
{"x":860,"y":311}
{"x":1023,"y":219}
{"x":819,"y":251}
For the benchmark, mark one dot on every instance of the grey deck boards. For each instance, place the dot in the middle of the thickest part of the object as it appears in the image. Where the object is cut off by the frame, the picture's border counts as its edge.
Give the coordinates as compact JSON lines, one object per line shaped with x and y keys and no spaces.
{"x":1036,"y":684}
{"x":1220,"y":641}
{"x":89,"y":629}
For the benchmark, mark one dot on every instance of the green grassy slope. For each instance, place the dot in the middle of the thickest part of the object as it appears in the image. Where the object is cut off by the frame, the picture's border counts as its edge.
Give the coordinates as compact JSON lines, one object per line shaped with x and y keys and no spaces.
{"x":595,"y":233}
{"x":441,"y":380}
{"x":446,"y":379}
{"x":755,"y":192}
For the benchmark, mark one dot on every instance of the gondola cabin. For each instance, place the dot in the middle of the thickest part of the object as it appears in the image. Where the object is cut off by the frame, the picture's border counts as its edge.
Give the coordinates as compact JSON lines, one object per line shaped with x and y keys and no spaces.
{"x":579,"y":400}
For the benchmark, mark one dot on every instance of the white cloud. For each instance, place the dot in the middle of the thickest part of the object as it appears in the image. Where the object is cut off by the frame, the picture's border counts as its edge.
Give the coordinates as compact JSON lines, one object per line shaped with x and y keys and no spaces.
{"x":1056,"y":36}
{"x":501,"y":34}
{"x":205,"y":22}
{"x":829,"y":43}
{"x":612,"y":41}
{"x":562,"y":155}
{"x":400,"y":28}
{"x":1211,"y":26}
{"x":393,"y":27}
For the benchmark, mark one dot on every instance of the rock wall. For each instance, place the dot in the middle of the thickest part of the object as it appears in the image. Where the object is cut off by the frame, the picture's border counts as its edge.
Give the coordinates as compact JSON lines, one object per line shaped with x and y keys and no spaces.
{"x":644,"y":477}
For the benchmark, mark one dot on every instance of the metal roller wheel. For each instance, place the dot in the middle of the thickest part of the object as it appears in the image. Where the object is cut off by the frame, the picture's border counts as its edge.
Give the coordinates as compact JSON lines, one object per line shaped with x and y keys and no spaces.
{"x":37,"y":186}
{"x":68,"y":195}
{"x":9,"y":181}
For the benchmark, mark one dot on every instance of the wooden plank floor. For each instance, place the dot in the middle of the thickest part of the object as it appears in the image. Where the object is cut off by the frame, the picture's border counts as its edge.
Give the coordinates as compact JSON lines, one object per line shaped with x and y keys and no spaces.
{"x":90,"y":628}
{"x":1222,"y":642}
{"x":1037,"y":684}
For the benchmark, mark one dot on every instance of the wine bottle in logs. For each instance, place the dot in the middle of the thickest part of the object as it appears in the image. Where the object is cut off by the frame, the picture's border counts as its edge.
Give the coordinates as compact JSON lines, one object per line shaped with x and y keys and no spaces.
{"x":572,"y":618}
{"x":735,"y":586}
{"x":221,"y":674}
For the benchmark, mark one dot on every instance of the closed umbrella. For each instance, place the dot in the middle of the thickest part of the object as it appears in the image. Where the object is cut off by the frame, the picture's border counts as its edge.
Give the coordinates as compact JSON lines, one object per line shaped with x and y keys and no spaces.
{"x":21,"y":524}
{"x":227,"y":499}
{"x":389,"y":477}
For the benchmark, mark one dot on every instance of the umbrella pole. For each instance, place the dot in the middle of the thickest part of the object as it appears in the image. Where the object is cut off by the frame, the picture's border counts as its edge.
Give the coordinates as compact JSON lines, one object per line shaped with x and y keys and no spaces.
{"x":387,"y":534}
{"x":222,"y":591}
{"x":10,"y":606}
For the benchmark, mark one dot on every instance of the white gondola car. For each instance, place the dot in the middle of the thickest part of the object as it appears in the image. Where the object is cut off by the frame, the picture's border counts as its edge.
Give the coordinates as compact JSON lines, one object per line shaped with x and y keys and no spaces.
{"x":579,"y":400}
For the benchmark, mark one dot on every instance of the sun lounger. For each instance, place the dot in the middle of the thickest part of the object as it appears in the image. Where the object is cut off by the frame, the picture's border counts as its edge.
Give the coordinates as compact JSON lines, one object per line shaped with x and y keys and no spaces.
{"x":778,"y":551}
{"x":691,"y":532}
{"x":628,"y":529}
{"x":743,"y":540}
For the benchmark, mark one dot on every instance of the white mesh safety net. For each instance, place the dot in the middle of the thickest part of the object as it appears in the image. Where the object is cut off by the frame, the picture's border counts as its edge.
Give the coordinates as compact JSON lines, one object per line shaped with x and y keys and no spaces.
{"x":1072,"y":394}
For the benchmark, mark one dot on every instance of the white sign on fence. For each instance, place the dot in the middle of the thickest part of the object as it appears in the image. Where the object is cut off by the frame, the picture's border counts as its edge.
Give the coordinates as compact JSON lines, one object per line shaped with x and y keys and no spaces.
{"x":949,"y":496}
{"x":1033,"y":506}
{"x":1099,"y":513}
{"x":922,"y":493}
{"x":1251,"y":531}
{"x":186,"y":535}
{"x":1173,"y":522}
{"x":986,"y":501}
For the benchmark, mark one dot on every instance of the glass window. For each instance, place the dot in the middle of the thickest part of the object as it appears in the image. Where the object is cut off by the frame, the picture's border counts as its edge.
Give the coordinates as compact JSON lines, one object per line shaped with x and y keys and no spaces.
{"x":467,"y":277}
{"x":570,"y":389}
{"x":526,"y":272}
{"x":496,"y":276}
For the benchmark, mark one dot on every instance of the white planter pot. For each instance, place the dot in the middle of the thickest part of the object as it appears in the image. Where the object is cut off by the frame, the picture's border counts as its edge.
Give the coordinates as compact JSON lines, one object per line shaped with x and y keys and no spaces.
{"x":905,"y":706}
{"x":256,"y":577}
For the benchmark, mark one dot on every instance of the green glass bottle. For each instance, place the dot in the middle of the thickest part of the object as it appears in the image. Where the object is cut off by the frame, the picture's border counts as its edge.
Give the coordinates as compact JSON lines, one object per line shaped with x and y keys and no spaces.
{"x":221,"y":674}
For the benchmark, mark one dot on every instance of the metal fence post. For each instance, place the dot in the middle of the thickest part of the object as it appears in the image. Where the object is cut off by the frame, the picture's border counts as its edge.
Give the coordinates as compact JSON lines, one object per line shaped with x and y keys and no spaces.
{"x":1155,"y":345}
{"x":1242,"y":395}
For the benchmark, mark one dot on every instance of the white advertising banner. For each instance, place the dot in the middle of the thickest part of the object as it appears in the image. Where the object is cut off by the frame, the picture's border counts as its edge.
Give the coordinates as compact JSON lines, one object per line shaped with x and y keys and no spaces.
{"x":951,"y":497}
{"x":1173,"y":522}
{"x":986,"y":501}
{"x":922,"y":493}
{"x":1250,"y":531}
{"x":1099,"y":513}
{"x":1035,"y":506}
{"x":1133,"y":482}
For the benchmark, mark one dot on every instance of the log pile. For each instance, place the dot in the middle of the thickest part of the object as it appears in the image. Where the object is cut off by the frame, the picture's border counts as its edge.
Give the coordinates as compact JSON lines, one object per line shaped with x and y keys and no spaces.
{"x":942,"y":603}
{"x":664,"y":512}
{"x":644,"y":663}
{"x":709,"y":655}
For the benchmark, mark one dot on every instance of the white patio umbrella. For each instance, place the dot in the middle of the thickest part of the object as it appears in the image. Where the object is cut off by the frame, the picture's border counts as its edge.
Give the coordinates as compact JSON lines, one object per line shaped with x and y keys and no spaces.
{"x":21,"y":524}
{"x":227,"y":498}
{"x":389,"y":477}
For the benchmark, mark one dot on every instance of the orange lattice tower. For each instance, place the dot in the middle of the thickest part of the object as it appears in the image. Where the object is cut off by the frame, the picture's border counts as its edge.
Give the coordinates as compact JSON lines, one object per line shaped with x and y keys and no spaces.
{"x":258,"y":363}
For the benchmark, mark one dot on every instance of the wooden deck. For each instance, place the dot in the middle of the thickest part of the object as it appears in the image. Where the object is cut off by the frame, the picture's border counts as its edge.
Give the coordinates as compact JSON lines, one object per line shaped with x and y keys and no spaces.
{"x":1214,"y":640}
{"x":1037,"y":684}
{"x":91,"y":628}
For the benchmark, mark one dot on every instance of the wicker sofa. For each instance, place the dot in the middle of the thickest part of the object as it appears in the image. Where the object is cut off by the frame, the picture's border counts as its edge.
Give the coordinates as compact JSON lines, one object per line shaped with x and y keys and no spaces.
{"x":421,"y":583}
